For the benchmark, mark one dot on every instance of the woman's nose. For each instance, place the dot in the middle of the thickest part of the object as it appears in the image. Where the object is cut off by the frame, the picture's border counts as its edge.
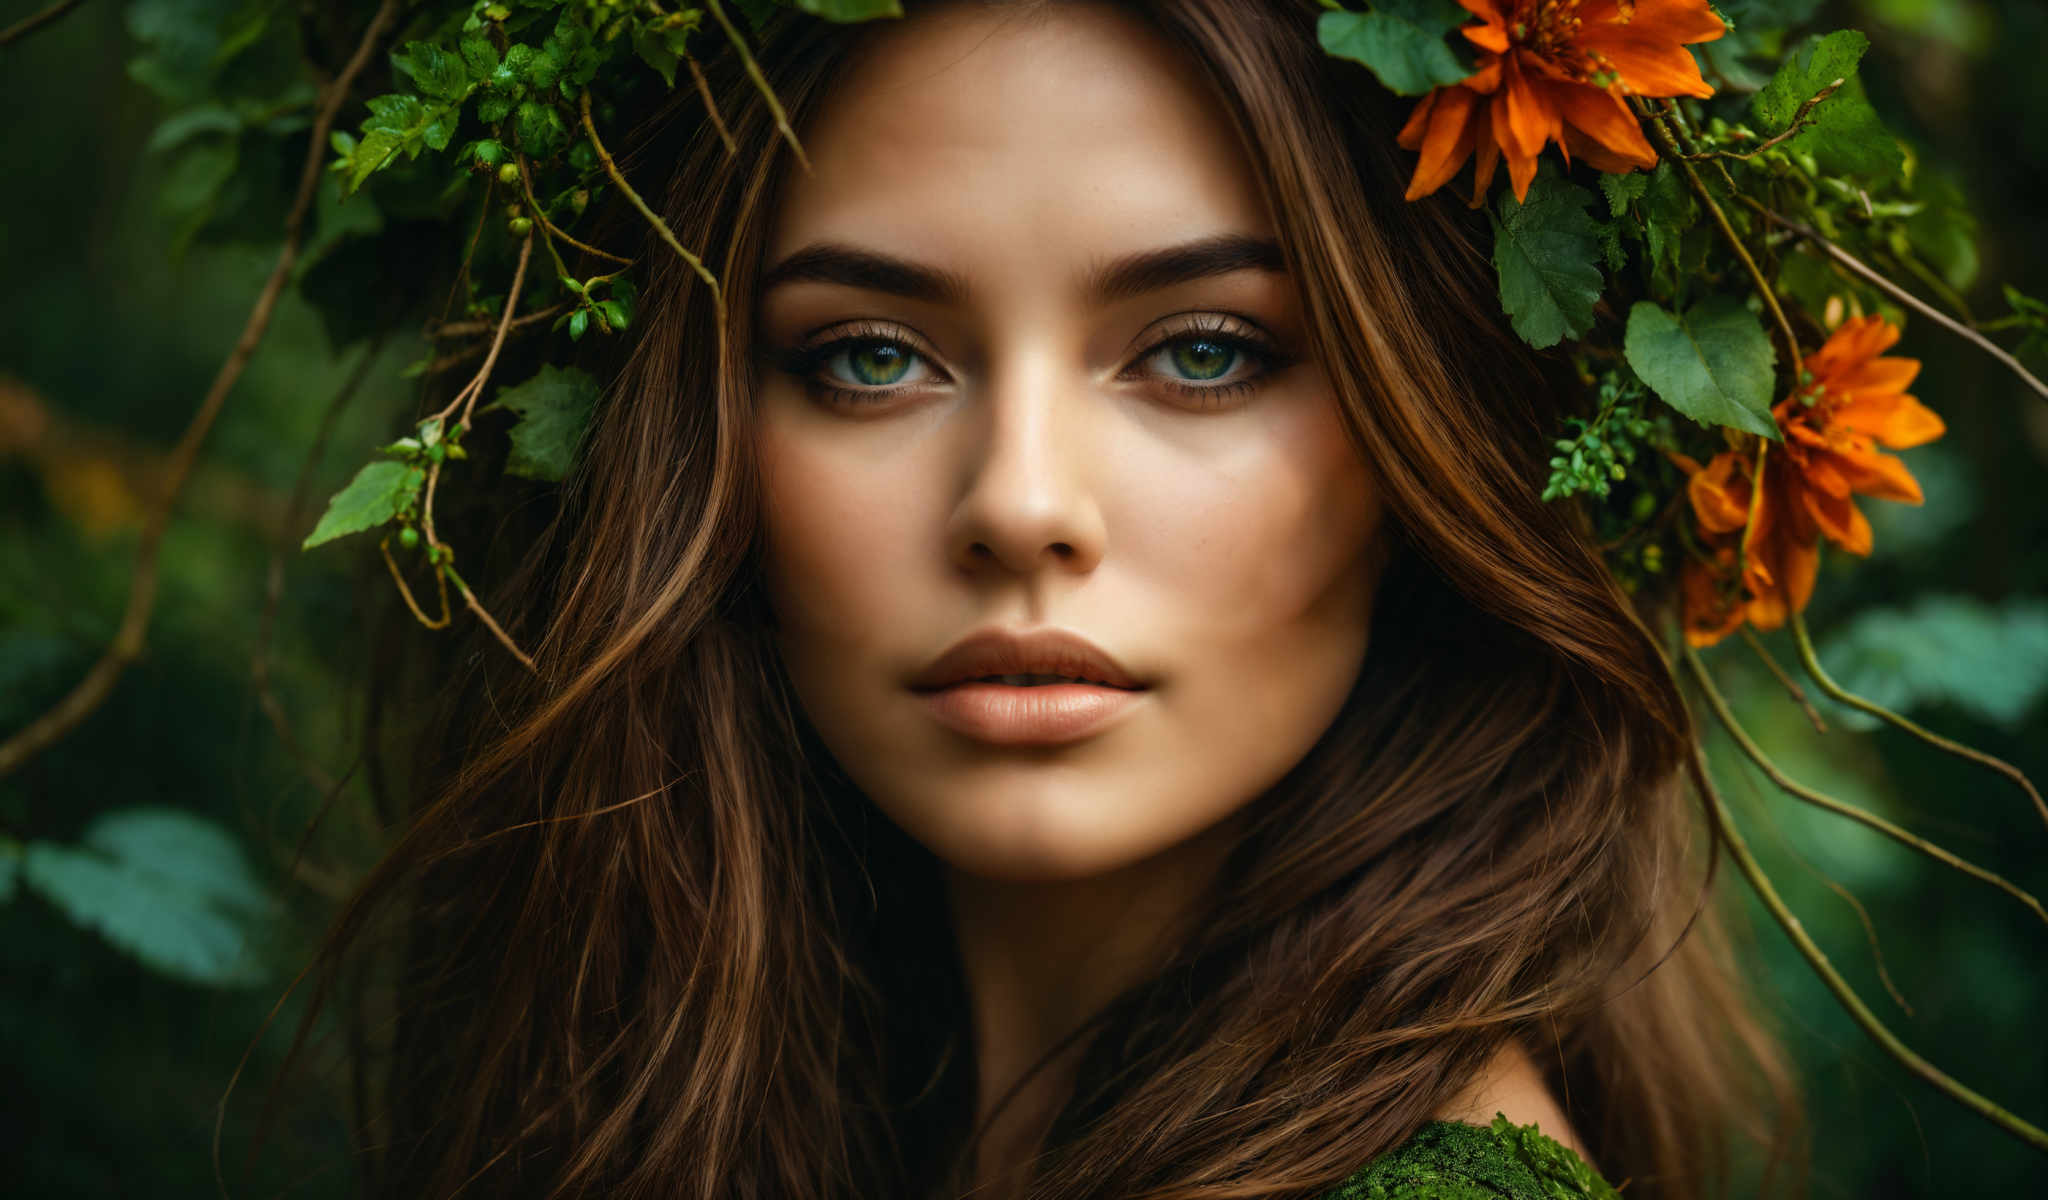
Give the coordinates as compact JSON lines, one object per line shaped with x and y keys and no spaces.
{"x":1027,"y":503}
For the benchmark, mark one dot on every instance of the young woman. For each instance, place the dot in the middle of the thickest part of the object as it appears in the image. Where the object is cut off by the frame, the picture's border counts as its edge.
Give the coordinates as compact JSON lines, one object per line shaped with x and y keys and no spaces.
{"x":1059,"y":682}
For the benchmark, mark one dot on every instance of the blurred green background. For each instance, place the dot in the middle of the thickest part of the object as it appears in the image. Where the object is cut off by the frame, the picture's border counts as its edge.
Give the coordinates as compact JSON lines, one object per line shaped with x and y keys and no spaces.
{"x":124,"y":1018}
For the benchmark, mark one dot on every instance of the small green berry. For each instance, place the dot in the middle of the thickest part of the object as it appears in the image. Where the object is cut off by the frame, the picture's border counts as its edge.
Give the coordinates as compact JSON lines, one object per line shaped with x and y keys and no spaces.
{"x":520,"y":226}
{"x":409,"y":538}
{"x":509,"y":174}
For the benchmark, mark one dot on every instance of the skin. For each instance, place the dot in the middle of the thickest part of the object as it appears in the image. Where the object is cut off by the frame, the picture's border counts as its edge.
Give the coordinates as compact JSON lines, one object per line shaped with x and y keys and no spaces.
{"x":1019,"y":457}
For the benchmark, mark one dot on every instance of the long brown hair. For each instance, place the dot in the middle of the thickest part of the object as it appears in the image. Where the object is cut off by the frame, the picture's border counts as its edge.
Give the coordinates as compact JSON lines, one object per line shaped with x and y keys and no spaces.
{"x":655,"y":944}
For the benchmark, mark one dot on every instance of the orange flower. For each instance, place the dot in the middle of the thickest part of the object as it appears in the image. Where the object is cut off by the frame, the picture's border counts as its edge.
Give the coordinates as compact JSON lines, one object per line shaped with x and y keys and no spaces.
{"x":1557,"y":70}
{"x":1852,"y":402}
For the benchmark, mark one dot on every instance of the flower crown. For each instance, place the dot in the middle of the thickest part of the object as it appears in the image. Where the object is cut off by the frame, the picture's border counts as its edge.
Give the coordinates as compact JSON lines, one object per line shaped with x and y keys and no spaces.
{"x":1749,"y":227}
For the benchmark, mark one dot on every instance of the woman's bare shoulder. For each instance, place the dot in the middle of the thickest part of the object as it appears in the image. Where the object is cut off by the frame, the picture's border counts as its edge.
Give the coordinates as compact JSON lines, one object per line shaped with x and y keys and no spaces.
{"x":1513,"y":1086}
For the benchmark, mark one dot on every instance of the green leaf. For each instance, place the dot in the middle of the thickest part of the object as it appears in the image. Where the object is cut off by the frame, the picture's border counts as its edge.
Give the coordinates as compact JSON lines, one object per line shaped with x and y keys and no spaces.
{"x":1843,"y":132}
{"x":398,"y":123}
{"x":554,"y":409}
{"x":1713,"y":364}
{"x":851,"y":10}
{"x":1945,"y":650}
{"x":379,"y":492}
{"x":479,"y":56}
{"x":1623,"y":190}
{"x":539,"y":129}
{"x":166,"y":886}
{"x":1668,"y":211}
{"x":433,"y":70}
{"x":493,"y":109}
{"x":1400,"y":41}
{"x":1548,"y":253}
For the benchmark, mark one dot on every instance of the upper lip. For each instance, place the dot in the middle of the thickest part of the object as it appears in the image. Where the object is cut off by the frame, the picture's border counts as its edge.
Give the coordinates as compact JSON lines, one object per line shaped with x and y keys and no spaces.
{"x":1010,"y":652}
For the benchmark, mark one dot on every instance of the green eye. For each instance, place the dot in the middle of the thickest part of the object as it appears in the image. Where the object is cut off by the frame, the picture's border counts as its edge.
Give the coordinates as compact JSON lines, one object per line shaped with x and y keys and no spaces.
{"x":1204,"y":358}
{"x":878,"y":364}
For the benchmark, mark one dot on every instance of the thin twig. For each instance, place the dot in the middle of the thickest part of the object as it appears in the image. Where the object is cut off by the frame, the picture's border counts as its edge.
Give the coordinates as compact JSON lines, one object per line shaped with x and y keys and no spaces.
{"x":1877,"y":279}
{"x":466,"y":398}
{"x":99,"y":681}
{"x":273,"y":586}
{"x":1784,"y":679}
{"x":34,"y":21}
{"x":1811,"y":661}
{"x":711,"y":106}
{"x":397,"y":577}
{"x":533,"y":206}
{"x":490,"y":623}
{"x":1760,"y":883}
{"x":1798,"y":120}
{"x":659,"y":226}
{"x":739,"y":44}
{"x":1842,"y":808}
{"x":1764,"y":290}
{"x":455,"y":329}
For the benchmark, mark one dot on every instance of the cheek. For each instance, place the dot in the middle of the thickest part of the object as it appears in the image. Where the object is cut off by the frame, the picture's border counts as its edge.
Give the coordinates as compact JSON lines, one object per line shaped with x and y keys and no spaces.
{"x":838,"y":527}
{"x":1265,"y":570}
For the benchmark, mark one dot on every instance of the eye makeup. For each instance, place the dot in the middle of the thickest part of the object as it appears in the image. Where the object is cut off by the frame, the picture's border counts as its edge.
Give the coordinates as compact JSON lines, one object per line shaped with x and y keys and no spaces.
{"x":1207,"y":359}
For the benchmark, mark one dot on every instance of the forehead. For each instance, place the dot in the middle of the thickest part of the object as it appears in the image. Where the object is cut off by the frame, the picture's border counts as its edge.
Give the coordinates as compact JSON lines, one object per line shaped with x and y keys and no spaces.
{"x":1060,"y":131}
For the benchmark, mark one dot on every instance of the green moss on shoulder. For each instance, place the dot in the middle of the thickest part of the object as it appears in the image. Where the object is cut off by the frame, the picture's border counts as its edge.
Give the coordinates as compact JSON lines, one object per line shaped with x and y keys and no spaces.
{"x":1450,"y":1160}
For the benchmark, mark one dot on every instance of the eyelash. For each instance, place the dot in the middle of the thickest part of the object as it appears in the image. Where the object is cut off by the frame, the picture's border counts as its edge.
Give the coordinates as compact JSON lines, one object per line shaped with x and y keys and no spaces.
{"x":805,"y":361}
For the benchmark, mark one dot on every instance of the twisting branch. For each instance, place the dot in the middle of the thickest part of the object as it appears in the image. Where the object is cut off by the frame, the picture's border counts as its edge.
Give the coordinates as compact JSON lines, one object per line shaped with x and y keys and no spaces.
{"x":711,"y":106}
{"x":739,"y":45}
{"x":456,"y":329}
{"x":1659,"y":125}
{"x":1785,"y":680}
{"x":34,"y":21}
{"x":1760,"y":883}
{"x":1841,"y":808}
{"x":440,"y":556}
{"x":1798,"y":121}
{"x":1811,"y":661}
{"x":553,"y":230}
{"x":647,"y":214}
{"x":99,"y":681}
{"x":1878,"y":280}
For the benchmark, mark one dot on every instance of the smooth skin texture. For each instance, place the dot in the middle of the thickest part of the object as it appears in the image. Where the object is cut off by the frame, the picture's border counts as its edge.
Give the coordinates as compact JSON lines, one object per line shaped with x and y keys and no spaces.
{"x":962,"y":427}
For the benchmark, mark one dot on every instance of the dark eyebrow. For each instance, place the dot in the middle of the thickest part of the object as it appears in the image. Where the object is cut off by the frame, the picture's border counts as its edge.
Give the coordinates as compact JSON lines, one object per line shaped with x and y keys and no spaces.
{"x":1120,"y":279}
{"x":1151,"y":270}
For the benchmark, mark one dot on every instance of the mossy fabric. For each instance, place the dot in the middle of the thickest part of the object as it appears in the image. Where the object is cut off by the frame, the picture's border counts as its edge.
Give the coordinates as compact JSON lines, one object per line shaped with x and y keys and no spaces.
{"x":1450,"y":1160}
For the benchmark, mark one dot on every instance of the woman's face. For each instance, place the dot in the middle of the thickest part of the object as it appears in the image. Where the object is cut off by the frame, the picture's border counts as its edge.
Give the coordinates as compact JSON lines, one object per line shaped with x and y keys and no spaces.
{"x":1033,"y":370}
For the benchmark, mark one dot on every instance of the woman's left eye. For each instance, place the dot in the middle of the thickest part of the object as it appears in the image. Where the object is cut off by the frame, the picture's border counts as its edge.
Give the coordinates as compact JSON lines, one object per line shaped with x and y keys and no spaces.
{"x":869,"y":362}
{"x":1209,"y":363}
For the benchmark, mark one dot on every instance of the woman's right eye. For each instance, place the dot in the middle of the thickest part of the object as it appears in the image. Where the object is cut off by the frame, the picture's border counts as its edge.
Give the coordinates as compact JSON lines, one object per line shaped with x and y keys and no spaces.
{"x":860,"y":368}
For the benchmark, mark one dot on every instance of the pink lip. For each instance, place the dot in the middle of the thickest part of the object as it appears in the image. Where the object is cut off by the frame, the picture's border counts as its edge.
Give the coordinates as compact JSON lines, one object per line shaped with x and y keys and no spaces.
{"x":1009,"y":715}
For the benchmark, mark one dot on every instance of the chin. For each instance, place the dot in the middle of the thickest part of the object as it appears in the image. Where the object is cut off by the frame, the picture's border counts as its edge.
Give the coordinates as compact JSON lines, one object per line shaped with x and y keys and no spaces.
{"x":1037,"y":822}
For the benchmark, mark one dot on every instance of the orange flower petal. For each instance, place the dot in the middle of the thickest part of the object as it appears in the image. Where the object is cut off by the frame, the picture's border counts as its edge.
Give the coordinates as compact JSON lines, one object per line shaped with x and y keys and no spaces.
{"x":1801,"y":563}
{"x":1897,"y":421}
{"x":1411,"y":133}
{"x":1531,"y":114}
{"x":1521,"y":170}
{"x":1648,"y":67}
{"x":1881,"y":475}
{"x":1489,"y":11}
{"x":1840,"y":521}
{"x":1487,"y":37}
{"x":1487,"y":154}
{"x":1670,"y":20}
{"x":1856,"y":341}
{"x":1446,"y":144}
{"x":1605,"y":117}
{"x":1875,"y":375}
{"x":1720,"y":500}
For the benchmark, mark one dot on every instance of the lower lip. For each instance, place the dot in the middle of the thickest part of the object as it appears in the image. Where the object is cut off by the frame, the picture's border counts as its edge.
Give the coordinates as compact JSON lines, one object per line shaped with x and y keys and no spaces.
{"x":1005,"y":714}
